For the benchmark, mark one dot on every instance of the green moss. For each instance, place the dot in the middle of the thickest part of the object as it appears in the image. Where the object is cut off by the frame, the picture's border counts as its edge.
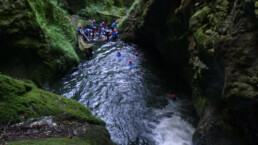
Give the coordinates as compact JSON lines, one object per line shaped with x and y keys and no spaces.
{"x":203,"y":37}
{"x":38,"y":37}
{"x":56,"y":25}
{"x":54,"y":141}
{"x":20,"y":101}
{"x":200,"y":103}
{"x":199,"y":17}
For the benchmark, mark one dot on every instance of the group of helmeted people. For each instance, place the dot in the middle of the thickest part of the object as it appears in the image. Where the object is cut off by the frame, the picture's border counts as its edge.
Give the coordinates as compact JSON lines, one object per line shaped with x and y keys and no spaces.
{"x":91,"y":32}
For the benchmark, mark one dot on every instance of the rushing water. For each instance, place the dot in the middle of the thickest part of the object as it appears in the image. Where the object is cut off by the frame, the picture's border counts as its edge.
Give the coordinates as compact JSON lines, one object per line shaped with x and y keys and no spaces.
{"x":135,"y":101}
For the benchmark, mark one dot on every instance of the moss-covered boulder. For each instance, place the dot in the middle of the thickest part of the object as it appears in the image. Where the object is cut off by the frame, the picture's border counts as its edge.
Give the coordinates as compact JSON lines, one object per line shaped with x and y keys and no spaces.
{"x":37,"y":40}
{"x":33,"y":116}
{"x":20,"y":101}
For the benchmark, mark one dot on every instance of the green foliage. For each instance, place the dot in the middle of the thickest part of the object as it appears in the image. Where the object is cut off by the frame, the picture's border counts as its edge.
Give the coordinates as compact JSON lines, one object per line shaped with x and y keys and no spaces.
{"x":135,"y":6}
{"x":20,"y":101}
{"x":53,"y":141}
{"x":56,"y":25}
{"x":38,"y":37}
{"x":101,"y":12}
{"x":200,"y":102}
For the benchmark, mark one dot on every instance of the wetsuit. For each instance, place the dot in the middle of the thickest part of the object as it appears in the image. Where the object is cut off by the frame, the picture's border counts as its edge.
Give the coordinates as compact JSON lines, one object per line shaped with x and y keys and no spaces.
{"x":107,"y":33}
{"x":115,"y":35}
{"x":79,"y":31}
{"x":87,"y":32}
{"x":113,"y":25}
{"x":100,"y":29}
{"x":93,"y":28}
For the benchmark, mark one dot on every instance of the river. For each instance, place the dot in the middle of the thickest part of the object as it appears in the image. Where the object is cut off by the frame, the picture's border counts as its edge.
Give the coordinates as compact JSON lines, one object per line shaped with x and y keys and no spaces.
{"x":134,"y":100}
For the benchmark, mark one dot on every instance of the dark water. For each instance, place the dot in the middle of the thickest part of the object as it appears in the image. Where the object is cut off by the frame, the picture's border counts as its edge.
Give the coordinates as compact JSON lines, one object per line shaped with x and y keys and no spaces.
{"x":134,"y":101}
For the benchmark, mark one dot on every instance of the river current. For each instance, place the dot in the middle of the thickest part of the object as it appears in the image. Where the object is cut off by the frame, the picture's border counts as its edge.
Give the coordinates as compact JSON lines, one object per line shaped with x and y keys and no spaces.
{"x":134,"y":100}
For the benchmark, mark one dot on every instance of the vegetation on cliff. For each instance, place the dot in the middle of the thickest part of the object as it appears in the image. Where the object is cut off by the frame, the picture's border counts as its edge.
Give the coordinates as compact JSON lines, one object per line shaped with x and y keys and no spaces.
{"x":219,"y":39}
{"x":37,"y":40}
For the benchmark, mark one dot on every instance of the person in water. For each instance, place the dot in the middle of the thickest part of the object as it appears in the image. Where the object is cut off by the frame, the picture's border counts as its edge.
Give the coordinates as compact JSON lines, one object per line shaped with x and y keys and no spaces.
{"x":118,"y":54}
{"x":107,"y":33}
{"x":174,"y":97}
{"x":113,"y":25}
{"x":115,"y":34}
{"x":131,"y":63}
{"x":93,"y":25}
{"x":100,"y":28}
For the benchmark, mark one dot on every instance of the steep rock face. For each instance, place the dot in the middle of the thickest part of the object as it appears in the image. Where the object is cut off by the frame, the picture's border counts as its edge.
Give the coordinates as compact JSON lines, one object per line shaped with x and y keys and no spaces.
{"x":219,"y":39}
{"x":155,"y":26}
{"x":37,"y":40}
{"x":225,"y":90}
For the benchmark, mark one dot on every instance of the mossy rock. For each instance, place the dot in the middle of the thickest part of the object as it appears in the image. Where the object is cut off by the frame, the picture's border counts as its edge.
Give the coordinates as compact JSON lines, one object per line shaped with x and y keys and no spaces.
{"x":20,"y":101}
{"x":54,"y":141}
{"x":37,"y":40}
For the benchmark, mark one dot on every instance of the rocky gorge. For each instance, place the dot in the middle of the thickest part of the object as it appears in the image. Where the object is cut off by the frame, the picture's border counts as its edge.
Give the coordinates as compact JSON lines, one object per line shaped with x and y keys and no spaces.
{"x":212,"y":44}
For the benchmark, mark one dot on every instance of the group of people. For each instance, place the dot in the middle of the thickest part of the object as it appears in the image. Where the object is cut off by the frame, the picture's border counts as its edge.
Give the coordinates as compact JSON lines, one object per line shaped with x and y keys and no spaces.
{"x":103,"y":31}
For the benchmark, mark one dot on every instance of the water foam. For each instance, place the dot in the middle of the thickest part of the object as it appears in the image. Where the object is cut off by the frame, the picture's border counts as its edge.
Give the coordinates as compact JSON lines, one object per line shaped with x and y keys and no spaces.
{"x":172,"y":130}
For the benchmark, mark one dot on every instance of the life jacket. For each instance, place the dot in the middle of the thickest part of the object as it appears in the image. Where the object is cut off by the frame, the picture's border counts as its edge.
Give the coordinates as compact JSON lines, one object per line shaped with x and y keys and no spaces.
{"x":114,"y":34}
{"x":107,"y":30}
{"x":100,"y":26}
{"x":87,"y":31}
{"x":79,"y":30}
{"x":113,"y":25}
{"x":93,"y":25}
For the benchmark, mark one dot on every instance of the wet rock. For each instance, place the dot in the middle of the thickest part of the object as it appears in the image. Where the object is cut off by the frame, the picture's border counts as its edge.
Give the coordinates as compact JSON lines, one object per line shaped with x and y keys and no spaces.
{"x":221,"y":46}
{"x":54,"y":127}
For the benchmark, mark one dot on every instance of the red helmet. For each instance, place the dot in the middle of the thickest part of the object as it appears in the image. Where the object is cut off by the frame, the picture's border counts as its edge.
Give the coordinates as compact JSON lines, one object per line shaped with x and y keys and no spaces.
{"x":94,"y":21}
{"x":174,"y":96}
{"x":80,"y":26}
{"x":114,"y":30}
{"x":116,"y":21}
{"x":91,"y":30}
{"x":118,"y":52}
{"x":103,"y":23}
{"x":130,"y":61}
{"x":106,"y":27}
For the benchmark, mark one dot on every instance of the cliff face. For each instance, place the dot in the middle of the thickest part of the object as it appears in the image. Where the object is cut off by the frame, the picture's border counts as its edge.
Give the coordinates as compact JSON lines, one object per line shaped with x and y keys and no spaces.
{"x":225,"y":34}
{"x":219,"y":41}
{"x":155,"y":26}
{"x":37,"y":40}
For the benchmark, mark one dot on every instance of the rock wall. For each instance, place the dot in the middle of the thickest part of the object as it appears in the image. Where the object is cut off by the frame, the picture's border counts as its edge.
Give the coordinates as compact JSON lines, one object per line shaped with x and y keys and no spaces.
{"x":215,"y":44}
{"x":155,"y":26}
{"x":37,"y":40}
{"x":225,"y":90}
